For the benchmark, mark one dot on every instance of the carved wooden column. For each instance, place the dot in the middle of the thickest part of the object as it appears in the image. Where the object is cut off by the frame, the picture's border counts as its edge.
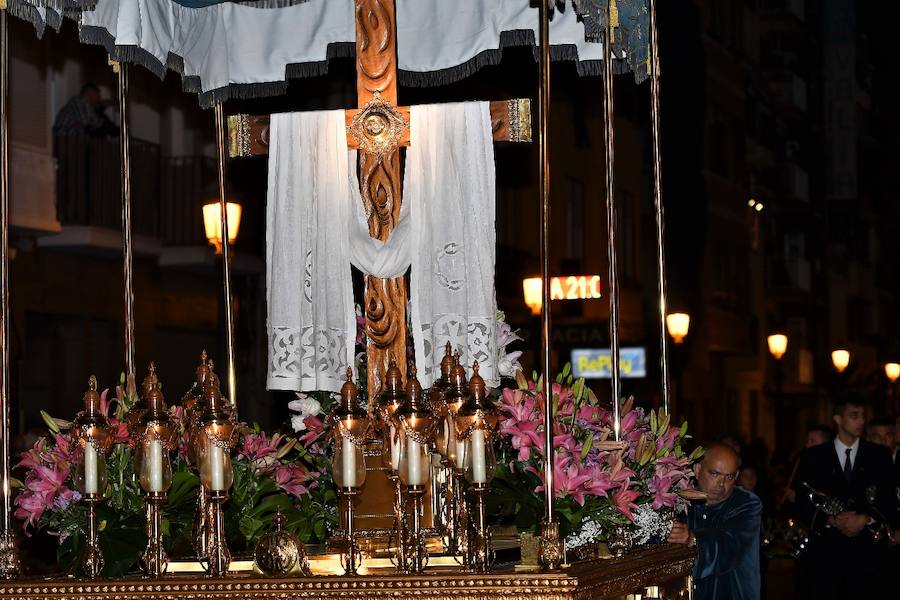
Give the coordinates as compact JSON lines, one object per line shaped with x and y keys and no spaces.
{"x":379,"y":182}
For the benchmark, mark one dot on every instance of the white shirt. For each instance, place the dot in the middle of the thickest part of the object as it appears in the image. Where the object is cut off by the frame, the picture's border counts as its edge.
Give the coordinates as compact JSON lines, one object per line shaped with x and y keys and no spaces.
{"x":841,"y":450}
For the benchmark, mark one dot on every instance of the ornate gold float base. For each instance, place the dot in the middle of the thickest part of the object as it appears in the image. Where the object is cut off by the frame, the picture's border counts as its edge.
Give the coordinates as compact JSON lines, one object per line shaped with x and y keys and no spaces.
{"x":599,"y":578}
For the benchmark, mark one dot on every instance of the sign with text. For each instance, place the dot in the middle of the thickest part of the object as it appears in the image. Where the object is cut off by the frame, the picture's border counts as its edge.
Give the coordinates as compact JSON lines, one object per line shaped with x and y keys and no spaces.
{"x":595,"y":363}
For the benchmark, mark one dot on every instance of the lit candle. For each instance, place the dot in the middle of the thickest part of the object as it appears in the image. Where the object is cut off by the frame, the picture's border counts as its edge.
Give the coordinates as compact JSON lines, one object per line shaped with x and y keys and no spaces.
{"x":451,"y":440}
{"x":216,"y":468}
{"x":395,"y":449}
{"x":91,"y":470}
{"x":155,"y":456}
{"x":479,"y":465}
{"x":348,"y":462}
{"x":415,"y":473}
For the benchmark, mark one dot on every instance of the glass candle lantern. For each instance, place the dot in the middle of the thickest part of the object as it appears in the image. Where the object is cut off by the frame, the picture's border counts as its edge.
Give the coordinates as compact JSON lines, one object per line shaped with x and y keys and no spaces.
{"x":155,"y":438}
{"x":351,"y":432}
{"x":455,"y":397}
{"x":389,"y":400}
{"x":415,"y":426}
{"x":476,"y":422}
{"x":95,"y":436}
{"x":214,"y":439}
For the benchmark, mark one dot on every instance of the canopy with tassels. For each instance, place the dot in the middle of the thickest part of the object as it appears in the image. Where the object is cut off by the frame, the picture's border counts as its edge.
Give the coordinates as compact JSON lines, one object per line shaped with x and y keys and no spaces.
{"x":225,"y":49}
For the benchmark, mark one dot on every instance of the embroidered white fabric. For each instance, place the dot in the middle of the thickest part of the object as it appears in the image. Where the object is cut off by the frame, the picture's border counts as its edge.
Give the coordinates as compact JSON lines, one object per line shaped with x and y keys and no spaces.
{"x":445,"y":234}
{"x":450,"y":187}
{"x":310,"y":319}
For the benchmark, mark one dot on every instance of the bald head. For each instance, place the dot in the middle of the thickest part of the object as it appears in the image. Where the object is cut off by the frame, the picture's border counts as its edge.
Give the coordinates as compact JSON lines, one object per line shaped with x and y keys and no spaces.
{"x":717,"y":472}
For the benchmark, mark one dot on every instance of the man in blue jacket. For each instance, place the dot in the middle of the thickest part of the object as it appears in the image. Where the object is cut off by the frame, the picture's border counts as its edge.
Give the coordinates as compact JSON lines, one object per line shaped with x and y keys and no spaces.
{"x":725,"y":531}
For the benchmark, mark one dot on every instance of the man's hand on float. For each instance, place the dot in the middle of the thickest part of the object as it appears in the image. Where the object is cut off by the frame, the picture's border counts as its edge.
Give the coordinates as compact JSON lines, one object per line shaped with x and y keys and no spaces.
{"x":680,"y":534}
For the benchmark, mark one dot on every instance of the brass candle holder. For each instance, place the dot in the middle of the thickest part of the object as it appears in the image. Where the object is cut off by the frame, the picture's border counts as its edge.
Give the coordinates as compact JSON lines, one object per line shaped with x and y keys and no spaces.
{"x":386,"y":404}
{"x":441,"y":501}
{"x":194,"y":407}
{"x":155,"y":439}
{"x":95,"y":436}
{"x":476,"y":426}
{"x":351,"y":426}
{"x":415,"y":425}
{"x":451,"y":449}
{"x":213,"y":442}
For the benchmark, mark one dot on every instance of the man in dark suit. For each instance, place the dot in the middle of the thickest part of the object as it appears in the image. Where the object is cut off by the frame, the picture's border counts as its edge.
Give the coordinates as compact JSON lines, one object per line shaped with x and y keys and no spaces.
{"x":846,"y":542}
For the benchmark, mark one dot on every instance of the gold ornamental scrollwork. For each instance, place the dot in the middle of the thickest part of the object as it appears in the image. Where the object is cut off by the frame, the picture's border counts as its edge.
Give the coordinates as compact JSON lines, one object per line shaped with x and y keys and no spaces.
{"x":378,"y":127}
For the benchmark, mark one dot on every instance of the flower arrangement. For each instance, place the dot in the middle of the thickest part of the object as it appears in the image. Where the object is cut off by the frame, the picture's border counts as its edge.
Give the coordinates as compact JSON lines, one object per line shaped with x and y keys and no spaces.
{"x":271,"y":472}
{"x":599,"y":484}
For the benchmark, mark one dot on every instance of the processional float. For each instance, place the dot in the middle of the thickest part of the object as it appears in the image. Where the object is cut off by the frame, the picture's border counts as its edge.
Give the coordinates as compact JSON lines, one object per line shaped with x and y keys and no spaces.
{"x":455,"y":417}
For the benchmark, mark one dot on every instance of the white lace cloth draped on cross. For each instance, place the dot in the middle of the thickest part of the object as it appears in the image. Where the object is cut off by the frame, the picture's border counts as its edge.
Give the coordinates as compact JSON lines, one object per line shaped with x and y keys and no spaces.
{"x":316,"y":227}
{"x":450,"y":186}
{"x":310,"y":320}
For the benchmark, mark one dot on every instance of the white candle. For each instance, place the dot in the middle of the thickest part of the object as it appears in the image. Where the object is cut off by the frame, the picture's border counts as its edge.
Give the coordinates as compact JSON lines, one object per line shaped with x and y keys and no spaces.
{"x":216,"y":468}
{"x":91,"y":474}
{"x":460,"y":452}
{"x":348,"y":463}
{"x":155,"y":456}
{"x":479,"y":466}
{"x":395,"y":449}
{"x":415,"y":474}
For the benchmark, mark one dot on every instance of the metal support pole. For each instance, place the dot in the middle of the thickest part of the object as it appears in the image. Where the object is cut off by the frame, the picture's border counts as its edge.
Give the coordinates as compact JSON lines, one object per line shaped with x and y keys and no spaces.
{"x":658,"y":206}
{"x":9,"y":559}
{"x":611,"y":226}
{"x":551,"y":553}
{"x":121,"y":70}
{"x":226,"y":254}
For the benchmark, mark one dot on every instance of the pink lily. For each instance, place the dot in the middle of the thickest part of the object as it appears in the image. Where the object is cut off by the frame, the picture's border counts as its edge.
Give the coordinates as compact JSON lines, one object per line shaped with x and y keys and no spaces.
{"x":623,"y":500}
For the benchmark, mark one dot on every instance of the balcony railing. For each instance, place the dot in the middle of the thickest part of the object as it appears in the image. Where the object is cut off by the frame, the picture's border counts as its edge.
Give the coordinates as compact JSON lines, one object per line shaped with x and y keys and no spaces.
{"x":166,"y":192}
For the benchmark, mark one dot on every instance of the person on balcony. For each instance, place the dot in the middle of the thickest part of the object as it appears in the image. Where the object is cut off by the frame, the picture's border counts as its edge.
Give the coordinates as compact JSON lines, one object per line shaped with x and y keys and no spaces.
{"x":83,"y":115}
{"x":725,"y":530}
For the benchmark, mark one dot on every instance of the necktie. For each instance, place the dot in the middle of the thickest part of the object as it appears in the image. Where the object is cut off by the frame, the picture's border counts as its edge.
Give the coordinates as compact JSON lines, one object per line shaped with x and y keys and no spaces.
{"x":848,"y":468}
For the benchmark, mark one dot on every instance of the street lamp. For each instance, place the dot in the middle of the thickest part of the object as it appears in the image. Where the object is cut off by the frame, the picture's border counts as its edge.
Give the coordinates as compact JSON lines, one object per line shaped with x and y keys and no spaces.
{"x":840,"y":358}
{"x":777,"y":345}
{"x":892,"y":371}
{"x":678,"y":325}
{"x":212,"y":223}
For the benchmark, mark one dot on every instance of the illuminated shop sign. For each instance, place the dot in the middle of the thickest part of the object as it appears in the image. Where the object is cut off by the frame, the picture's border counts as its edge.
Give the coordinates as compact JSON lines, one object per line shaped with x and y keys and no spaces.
{"x":595,"y":363}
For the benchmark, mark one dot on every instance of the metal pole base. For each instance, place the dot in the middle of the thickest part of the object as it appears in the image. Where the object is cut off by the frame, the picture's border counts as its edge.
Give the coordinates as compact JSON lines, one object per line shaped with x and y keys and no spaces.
{"x":9,"y":556}
{"x":551,"y":548}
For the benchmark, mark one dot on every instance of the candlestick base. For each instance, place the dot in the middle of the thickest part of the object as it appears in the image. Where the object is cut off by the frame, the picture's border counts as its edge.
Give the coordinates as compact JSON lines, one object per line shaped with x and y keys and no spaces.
{"x":202,"y":520}
{"x":218,"y":557}
{"x":462,"y":522}
{"x":154,"y":561}
{"x":352,"y":557}
{"x":451,"y":514}
{"x":417,"y":549}
{"x":551,"y":548}
{"x":92,"y":558}
{"x":481,"y":551}
{"x":400,"y":530}
{"x":9,"y":556}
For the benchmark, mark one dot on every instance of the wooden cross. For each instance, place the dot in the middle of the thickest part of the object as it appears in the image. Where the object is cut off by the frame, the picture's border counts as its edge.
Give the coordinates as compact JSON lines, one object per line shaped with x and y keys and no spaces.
{"x":376,"y":76}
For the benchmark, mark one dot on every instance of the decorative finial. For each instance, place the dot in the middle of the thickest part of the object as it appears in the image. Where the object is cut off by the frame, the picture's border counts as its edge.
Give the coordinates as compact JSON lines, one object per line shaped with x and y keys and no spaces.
{"x":152,"y":368}
{"x":203,"y":356}
{"x":92,"y":383}
{"x":350,"y":374}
